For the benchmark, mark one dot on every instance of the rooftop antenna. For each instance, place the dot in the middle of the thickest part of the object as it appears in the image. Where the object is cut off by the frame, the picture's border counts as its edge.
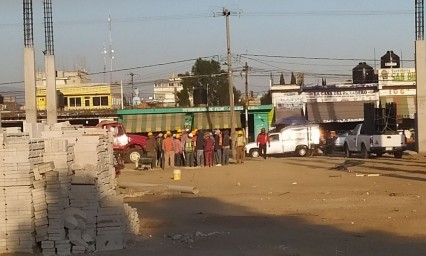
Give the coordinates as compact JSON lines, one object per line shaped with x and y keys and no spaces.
{"x":110,"y":50}
{"x":104,"y":53}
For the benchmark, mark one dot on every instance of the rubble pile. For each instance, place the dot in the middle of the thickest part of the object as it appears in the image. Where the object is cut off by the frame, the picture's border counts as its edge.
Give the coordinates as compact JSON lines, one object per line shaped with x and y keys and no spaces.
{"x":60,"y":195}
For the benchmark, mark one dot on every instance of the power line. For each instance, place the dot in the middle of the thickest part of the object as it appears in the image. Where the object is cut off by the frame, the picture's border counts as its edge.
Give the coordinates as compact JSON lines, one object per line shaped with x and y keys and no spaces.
{"x":333,"y":13}
{"x":309,"y":58}
{"x":151,"y":65}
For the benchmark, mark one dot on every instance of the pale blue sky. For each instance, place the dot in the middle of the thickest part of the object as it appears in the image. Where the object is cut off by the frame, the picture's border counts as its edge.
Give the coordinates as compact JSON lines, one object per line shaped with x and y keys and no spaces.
{"x":150,"y":32}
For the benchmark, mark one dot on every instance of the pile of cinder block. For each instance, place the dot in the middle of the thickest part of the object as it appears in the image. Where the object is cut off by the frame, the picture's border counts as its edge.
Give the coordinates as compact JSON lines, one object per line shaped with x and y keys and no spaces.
{"x":59,"y":193}
{"x":18,"y":155}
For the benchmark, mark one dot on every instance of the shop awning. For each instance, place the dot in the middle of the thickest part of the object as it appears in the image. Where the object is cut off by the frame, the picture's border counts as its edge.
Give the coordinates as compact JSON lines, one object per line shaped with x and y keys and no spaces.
{"x":327,"y":112}
{"x":215,"y":120}
{"x":285,"y":116}
{"x":405,"y":105}
{"x":154,"y":122}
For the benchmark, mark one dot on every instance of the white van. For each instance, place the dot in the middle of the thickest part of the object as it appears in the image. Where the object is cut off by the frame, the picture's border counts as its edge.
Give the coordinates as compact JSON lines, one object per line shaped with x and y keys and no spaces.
{"x":297,"y":139}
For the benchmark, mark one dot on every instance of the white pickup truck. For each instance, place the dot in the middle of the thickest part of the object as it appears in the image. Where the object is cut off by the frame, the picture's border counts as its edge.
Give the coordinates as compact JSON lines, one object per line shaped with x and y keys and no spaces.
{"x":358,"y":142}
{"x":297,"y":139}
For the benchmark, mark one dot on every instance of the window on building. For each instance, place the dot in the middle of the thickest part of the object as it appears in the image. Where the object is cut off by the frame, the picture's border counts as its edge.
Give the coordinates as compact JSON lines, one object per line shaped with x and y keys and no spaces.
{"x":86,"y":101}
{"x":96,"y":101}
{"x":100,"y":101}
{"x":171,"y":84}
{"x":75,"y":102}
{"x":104,"y":101}
{"x":66,"y":101}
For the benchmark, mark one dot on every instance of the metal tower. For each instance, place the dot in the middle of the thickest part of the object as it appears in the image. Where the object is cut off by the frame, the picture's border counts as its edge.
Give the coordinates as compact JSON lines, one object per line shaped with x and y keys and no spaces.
{"x":29,"y":64}
{"x":110,"y":50}
{"x":51,"y":101}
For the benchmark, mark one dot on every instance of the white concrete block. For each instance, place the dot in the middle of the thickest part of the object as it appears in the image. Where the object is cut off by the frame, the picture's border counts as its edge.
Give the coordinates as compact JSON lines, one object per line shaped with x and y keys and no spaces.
{"x":113,"y":241}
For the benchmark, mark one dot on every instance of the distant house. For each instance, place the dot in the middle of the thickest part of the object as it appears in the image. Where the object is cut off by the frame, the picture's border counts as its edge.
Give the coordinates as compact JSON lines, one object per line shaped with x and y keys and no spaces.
{"x":165,"y":91}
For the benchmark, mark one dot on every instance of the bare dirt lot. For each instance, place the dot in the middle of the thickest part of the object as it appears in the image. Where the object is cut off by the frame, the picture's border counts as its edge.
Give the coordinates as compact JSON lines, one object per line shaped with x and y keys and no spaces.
{"x":286,"y":206}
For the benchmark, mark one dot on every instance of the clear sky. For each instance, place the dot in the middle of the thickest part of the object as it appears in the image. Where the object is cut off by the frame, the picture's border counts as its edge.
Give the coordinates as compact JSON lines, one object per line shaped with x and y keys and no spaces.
{"x":148,"y":33}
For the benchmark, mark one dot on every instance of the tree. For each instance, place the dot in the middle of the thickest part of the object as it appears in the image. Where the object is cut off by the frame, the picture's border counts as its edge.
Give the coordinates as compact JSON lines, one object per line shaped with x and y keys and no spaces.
{"x":183,"y":95}
{"x":209,"y":75}
{"x":282,"y":81}
{"x":293,"y":78}
{"x":266,"y":99}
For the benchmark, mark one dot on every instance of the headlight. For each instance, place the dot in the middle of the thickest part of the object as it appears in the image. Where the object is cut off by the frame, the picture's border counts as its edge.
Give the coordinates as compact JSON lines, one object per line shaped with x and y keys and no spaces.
{"x":123,"y":140}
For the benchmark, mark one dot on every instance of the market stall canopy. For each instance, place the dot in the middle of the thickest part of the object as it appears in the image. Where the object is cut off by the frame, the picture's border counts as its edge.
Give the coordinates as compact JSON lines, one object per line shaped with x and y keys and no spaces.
{"x":215,"y":120}
{"x":153,"y":122}
{"x":285,"y":116}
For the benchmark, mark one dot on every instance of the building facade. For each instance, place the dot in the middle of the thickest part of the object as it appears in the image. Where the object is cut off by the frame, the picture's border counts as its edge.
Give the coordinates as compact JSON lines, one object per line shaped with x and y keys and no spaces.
{"x":339,"y":106}
{"x":165,"y":91}
{"x":76,"y":92}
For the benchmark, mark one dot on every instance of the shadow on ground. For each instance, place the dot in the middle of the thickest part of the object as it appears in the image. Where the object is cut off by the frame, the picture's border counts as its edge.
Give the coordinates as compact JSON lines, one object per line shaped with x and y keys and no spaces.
{"x":191,"y":225}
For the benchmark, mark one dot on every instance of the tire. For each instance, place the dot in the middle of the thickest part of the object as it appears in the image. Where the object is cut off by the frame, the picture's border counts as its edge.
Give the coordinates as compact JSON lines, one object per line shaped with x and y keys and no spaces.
{"x":364,"y":152}
{"x":302,"y":151}
{"x":379,"y":154}
{"x":254,"y":153}
{"x":133,"y":155}
{"x":398,"y":154}
{"x":348,"y":153}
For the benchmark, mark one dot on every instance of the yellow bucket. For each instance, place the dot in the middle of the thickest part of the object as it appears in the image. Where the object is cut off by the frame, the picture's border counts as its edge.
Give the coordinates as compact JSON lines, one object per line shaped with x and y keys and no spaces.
{"x":176,"y":174}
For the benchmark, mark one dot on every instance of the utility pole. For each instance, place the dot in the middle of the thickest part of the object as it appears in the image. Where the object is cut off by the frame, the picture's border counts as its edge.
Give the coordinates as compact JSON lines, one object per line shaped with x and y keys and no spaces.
{"x":227,"y":13}
{"x":246,"y":103}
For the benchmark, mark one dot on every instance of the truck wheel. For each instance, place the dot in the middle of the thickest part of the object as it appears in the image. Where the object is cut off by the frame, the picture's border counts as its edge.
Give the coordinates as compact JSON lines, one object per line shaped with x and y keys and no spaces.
{"x":254,"y":152}
{"x":397,"y":154}
{"x":133,"y":155}
{"x":348,"y":153}
{"x":302,"y":151}
{"x":364,"y":152}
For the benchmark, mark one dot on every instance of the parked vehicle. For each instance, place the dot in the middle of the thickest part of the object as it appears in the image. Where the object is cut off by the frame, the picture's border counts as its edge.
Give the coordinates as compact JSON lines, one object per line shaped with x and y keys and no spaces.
{"x":358,"y":141}
{"x":334,"y":142}
{"x":298,"y":139}
{"x":129,"y":147}
{"x":339,"y":141}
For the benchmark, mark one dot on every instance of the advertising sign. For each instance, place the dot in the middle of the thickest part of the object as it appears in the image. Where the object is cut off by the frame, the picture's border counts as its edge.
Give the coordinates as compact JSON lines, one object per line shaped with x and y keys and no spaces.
{"x":290,"y":100}
{"x":397,"y":76}
{"x":339,"y":96}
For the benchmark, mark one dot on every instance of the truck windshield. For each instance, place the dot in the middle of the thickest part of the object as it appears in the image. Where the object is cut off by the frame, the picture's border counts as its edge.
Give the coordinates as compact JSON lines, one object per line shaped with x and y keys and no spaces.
{"x":116,"y":130}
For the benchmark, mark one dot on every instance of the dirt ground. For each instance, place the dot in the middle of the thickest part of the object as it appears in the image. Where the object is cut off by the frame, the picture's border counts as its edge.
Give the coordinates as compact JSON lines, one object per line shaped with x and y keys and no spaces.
{"x":287,"y":206}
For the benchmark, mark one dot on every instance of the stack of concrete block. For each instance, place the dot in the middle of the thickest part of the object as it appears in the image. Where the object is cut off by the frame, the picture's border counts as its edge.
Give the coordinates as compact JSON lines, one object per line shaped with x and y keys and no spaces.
{"x":18,"y":155}
{"x":84,"y":197}
{"x":17,"y":222}
{"x":40,"y":210}
{"x":61,"y":153}
{"x":66,"y":188}
{"x":92,"y":146}
{"x":132,"y":223}
{"x":110,"y":224}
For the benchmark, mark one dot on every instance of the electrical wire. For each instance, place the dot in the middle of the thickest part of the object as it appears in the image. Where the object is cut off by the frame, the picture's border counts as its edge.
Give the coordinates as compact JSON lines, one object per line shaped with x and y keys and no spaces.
{"x":310,"y":58}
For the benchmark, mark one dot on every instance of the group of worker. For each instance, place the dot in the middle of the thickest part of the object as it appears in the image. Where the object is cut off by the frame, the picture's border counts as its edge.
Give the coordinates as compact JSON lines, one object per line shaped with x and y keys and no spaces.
{"x":194,"y":148}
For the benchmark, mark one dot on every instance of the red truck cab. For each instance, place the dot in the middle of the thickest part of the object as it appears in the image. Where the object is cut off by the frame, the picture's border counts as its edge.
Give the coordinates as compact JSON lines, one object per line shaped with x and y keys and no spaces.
{"x":130,"y":146}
